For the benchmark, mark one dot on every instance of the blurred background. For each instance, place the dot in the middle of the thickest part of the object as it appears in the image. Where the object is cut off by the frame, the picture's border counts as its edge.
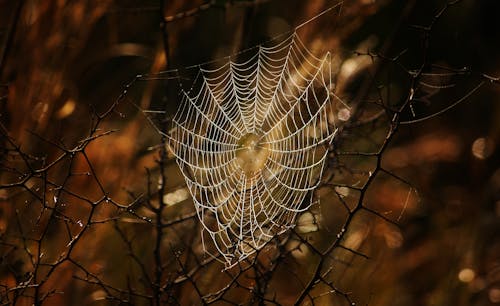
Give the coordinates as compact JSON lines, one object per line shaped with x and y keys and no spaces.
{"x":93,"y":210}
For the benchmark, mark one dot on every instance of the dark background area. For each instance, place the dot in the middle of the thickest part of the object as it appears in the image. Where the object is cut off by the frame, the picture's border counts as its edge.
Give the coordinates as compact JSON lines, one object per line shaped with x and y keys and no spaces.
{"x":79,"y":211}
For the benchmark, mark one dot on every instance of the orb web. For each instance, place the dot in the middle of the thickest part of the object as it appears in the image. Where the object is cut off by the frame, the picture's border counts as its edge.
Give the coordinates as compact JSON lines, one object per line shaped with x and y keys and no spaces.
{"x":250,"y":138}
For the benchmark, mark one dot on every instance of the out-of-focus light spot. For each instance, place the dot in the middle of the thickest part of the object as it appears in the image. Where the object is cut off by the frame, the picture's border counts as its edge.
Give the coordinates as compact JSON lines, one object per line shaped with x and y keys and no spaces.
{"x":175,"y":197}
{"x":344,"y":114}
{"x":466,"y":275}
{"x":3,"y":226}
{"x":67,"y":109}
{"x":298,"y":249}
{"x":331,"y":116}
{"x":349,"y":67}
{"x":296,"y":78}
{"x":31,"y":183}
{"x":342,"y":191}
{"x":61,"y":3}
{"x":33,"y":12}
{"x":57,"y":89}
{"x":98,"y":295}
{"x":313,"y":131}
{"x":306,"y":223}
{"x":482,"y":148}
{"x":78,"y":13}
{"x":393,"y":239}
{"x":494,"y":295}
{"x":39,"y":112}
{"x":354,"y":240}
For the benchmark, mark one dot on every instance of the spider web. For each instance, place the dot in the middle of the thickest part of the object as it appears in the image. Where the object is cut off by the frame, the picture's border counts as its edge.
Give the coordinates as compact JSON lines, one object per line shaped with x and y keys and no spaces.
{"x":251,"y":137}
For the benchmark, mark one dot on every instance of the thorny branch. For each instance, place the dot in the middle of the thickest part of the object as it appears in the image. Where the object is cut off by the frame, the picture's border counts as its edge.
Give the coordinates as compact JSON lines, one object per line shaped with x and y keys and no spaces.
{"x":164,"y":259}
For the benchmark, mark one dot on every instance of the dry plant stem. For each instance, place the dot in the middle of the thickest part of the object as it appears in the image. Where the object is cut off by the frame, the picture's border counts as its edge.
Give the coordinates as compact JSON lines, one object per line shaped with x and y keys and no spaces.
{"x":158,"y":286}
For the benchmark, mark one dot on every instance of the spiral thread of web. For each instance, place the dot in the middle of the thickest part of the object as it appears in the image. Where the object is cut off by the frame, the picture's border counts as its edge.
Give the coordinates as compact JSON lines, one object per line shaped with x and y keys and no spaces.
{"x":251,"y":137}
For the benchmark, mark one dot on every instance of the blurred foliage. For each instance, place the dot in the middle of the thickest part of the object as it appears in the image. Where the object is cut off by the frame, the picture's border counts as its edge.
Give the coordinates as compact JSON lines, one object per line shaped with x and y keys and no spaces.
{"x":92,"y":210}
